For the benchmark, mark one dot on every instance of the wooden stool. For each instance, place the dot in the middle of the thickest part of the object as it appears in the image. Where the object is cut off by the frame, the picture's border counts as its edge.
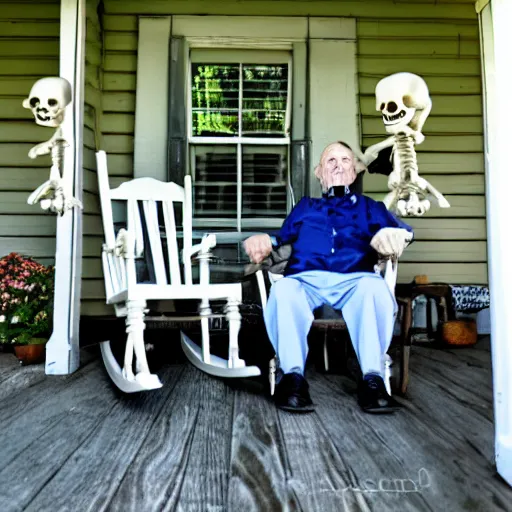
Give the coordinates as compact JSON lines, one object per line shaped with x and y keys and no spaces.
{"x":405,"y":294}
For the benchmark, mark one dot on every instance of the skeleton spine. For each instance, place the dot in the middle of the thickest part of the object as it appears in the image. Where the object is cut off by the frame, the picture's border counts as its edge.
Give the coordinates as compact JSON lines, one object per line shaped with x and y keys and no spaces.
{"x":58,"y":154}
{"x":406,"y":156}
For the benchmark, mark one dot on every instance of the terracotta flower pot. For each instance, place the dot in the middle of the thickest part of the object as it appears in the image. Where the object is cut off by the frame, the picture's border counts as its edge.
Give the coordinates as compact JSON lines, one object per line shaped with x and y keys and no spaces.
{"x":30,"y":354}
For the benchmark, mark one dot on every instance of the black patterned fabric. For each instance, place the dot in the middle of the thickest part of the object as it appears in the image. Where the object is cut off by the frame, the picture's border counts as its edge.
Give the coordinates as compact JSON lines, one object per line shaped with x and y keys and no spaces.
{"x":470,"y":298}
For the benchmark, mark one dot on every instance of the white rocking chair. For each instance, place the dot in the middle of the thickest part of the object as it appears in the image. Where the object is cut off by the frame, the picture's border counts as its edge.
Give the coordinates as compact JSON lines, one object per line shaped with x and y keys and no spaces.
{"x":130,"y":297}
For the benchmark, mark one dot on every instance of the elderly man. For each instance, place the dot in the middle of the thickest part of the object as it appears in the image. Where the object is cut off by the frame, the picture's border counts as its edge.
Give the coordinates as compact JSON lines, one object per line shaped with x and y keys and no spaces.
{"x":336,"y":241}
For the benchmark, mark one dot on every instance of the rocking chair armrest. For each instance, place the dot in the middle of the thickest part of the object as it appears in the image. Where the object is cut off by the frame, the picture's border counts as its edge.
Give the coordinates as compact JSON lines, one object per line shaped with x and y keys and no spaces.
{"x":203,"y":250}
{"x":208,"y":242}
{"x":388,"y":269}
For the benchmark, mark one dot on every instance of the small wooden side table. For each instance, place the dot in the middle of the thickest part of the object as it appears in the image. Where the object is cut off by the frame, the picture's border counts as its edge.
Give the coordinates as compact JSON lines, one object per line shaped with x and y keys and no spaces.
{"x":441,"y":294}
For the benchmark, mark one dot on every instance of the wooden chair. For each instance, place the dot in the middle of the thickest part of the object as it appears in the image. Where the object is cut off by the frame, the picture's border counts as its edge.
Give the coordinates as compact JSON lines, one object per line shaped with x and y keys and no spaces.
{"x":147,"y":200}
{"x":334,"y":321}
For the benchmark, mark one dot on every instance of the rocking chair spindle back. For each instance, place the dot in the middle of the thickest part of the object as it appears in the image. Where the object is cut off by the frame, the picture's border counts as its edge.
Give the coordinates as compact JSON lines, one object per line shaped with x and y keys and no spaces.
{"x":145,"y":198}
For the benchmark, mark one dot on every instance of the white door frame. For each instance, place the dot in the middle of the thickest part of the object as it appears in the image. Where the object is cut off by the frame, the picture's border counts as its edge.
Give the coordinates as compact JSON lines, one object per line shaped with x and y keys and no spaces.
{"x":496,"y":37}
{"x":62,"y":350}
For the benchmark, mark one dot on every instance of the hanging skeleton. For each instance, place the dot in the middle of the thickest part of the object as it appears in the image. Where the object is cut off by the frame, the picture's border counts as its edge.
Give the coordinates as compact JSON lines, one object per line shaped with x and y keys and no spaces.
{"x":404,"y":101}
{"x":48,"y":100}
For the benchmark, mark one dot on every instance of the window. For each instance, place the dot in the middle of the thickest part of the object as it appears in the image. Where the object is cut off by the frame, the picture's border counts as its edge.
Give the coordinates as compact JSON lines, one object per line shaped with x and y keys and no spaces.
{"x":239,"y":127}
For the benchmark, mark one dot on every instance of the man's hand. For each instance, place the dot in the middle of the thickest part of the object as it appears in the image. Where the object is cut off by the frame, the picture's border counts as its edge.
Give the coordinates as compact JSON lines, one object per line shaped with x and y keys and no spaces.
{"x":391,"y":242}
{"x":258,"y":247}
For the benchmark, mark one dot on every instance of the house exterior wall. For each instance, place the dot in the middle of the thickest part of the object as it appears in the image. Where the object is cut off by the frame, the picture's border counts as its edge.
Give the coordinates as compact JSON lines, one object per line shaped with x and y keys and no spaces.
{"x":29,"y":50}
{"x":438,"y":40}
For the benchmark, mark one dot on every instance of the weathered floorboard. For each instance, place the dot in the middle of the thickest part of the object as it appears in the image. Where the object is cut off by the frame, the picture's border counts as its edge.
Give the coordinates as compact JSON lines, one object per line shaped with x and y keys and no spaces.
{"x":89,"y":479}
{"x":435,"y":454}
{"x":259,"y":469}
{"x":205,"y":482}
{"x":374,"y":466}
{"x":318,"y":473}
{"x":156,"y":475}
{"x":28,"y":414}
{"x":41,"y":438}
{"x":14,"y":377}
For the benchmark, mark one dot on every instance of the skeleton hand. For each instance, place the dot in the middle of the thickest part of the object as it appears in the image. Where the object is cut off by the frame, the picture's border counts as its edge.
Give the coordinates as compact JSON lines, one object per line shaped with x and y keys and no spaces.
{"x":41,"y":149}
{"x":370,"y":155}
{"x":418,"y":137}
{"x":50,"y":195}
{"x":391,"y":242}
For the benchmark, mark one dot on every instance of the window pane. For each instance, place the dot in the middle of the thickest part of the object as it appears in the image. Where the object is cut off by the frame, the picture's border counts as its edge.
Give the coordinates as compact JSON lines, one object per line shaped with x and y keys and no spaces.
{"x":265,"y":91}
{"x":264,"y":182}
{"x":215,"y":182}
{"x":215,"y":96}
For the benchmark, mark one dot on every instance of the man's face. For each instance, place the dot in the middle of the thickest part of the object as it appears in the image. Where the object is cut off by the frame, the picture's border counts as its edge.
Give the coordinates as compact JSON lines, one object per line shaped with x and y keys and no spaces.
{"x":337,"y":167}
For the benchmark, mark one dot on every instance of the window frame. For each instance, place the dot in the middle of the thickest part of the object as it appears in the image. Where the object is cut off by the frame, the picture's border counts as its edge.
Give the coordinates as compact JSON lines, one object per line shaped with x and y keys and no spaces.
{"x":313,"y":40}
{"x":241,"y":57}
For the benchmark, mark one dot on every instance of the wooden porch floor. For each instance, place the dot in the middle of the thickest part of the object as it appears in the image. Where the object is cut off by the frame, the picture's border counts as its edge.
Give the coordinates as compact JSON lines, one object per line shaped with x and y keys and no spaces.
{"x":74,"y":444}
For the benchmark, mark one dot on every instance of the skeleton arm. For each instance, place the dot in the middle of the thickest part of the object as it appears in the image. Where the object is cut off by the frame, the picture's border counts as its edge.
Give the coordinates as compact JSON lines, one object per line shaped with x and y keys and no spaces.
{"x":44,"y":148}
{"x":372,"y":152}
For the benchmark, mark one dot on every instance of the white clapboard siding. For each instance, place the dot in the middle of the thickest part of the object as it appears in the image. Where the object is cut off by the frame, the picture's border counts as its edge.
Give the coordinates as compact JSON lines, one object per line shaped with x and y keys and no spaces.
{"x":436,"y":143}
{"x":435,"y":125}
{"x":446,"y":251}
{"x":119,"y":81}
{"x":43,"y":224}
{"x":460,"y":206}
{"x":447,"y":183}
{"x":461,"y":273}
{"x":95,"y":307}
{"x":16,"y":203}
{"x":118,"y":123}
{"x":437,"y":84}
{"x":374,"y":9}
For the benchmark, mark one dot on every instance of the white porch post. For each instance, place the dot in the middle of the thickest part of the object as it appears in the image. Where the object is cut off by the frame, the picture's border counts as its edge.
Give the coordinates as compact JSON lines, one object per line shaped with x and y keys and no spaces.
{"x":496,"y":40}
{"x":62,"y":350}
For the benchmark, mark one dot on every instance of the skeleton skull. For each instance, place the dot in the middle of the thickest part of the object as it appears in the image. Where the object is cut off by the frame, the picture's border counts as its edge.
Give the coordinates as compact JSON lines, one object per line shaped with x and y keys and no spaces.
{"x":48,"y":100}
{"x":404,"y":101}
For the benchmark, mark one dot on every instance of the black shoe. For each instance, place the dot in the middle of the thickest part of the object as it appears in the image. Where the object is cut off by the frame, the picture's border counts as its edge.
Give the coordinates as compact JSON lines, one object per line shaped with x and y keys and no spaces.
{"x":292,"y":394}
{"x":373,"y":397}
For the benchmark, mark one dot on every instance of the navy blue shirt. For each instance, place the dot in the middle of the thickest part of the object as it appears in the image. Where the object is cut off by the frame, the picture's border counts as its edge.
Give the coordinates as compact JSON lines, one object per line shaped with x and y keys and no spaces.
{"x":334,"y":233}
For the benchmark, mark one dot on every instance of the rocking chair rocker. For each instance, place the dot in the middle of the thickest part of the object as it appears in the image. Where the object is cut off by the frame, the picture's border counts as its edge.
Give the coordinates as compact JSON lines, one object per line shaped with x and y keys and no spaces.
{"x":145,"y":198}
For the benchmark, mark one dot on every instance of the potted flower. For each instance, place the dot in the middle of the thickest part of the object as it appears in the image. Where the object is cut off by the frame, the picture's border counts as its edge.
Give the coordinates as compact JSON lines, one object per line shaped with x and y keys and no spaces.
{"x":26,"y":304}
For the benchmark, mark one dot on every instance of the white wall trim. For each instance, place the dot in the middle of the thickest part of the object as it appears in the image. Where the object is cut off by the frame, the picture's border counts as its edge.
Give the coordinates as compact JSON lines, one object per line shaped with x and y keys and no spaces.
{"x":496,"y":38}
{"x":240,"y":43}
{"x":285,"y":28}
{"x":62,"y":350}
{"x":480,"y":4}
{"x":332,"y":28}
{"x":332,"y":99}
{"x":152,"y":98}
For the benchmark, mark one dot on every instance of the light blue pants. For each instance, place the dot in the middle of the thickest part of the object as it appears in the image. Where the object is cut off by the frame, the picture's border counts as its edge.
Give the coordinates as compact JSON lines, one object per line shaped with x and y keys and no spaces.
{"x":367,"y":305}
